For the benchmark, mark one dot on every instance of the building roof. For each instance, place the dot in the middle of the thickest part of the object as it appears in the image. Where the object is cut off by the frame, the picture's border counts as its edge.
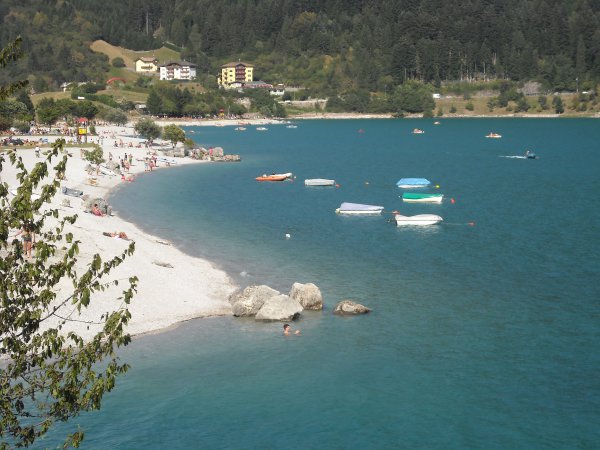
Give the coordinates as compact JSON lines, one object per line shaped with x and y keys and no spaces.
{"x":234,"y":64}
{"x":178,"y":63}
{"x":147,"y":59}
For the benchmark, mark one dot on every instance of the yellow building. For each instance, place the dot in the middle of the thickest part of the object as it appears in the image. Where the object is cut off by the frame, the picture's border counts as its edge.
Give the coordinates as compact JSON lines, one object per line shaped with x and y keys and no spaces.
{"x":235,"y":72}
{"x":146,"y":64}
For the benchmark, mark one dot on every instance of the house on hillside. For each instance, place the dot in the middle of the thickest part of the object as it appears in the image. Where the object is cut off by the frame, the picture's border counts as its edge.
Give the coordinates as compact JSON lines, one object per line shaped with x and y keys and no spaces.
{"x":146,"y":64}
{"x":235,"y":73}
{"x":177,"y":70}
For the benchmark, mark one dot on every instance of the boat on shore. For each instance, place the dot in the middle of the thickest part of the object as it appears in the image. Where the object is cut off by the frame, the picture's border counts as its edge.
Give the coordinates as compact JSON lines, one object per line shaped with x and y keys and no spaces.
{"x":419,"y":219}
{"x":409,"y":183}
{"x":416,"y":197}
{"x":493,"y":136}
{"x":358,"y":209}
{"x":318,"y":182}
{"x":274,"y":177}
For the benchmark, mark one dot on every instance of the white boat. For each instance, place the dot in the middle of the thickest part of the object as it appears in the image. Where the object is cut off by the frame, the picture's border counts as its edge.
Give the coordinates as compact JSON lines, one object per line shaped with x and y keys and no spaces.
{"x":169,"y":161}
{"x":292,"y":126}
{"x":261,"y":129}
{"x":106,"y":171}
{"x":419,"y":219}
{"x":240,"y":128}
{"x":418,"y":131}
{"x":358,"y":209}
{"x":318,"y":182}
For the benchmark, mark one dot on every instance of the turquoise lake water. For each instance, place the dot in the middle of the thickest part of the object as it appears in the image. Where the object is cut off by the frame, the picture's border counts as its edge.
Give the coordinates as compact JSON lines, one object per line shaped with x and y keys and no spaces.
{"x":485,"y":330}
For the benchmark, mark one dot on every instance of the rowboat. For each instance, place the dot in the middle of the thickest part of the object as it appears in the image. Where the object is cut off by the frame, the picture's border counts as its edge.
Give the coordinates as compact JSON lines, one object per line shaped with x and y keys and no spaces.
{"x":494,"y":136}
{"x":358,"y":209}
{"x":409,"y":183}
{"x":419,"y":219}
{"x":415,"y":197}
{"x":318,"y":182}
{"x":274,"y":177}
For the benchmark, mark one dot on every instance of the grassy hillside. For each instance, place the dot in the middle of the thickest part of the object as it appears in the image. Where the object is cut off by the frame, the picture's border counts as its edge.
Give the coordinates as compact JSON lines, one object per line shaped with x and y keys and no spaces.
{"x":163,"y":54}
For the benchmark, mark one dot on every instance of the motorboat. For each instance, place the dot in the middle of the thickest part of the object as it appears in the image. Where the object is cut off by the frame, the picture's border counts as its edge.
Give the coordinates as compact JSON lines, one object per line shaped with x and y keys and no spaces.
{"x":493,"y":136}
{"x":261,"y":129}
{"x":418,"y":131}
{"x":409,"y":183}
{"x":292,"y":126}
{"x":416,"y":197}
{"x":358,"y":209}
{"x":240,"y":128}
{"x":530,"y":155}
{"x":274,"y":177}
{"x":318,"y":182}
{"x":419,"y":219}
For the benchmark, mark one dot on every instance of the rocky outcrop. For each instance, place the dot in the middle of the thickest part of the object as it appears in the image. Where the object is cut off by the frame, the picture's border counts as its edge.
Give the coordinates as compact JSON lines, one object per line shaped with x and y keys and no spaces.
{"x":308,"y":295}
{"x":250,"y":300}
{"x":348,"y":307}
{"x":280,"y":307}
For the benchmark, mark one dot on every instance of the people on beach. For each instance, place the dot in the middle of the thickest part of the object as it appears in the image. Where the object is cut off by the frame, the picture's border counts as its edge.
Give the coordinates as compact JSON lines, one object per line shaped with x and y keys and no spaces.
{"x":96,"y":211}
{"x":287,"y":330}
{"x":28,"y":237}
{"x":37,"y":151}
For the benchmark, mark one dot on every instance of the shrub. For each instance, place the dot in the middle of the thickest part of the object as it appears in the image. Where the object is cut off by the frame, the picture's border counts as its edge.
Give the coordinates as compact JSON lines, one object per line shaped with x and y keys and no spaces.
{"x":118,"y":62}
{"x":469,"y":106}
{"x":452,"y":109}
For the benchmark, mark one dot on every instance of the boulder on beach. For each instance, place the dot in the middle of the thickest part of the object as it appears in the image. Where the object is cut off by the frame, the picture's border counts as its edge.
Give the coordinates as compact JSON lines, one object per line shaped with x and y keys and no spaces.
{"x":308,"y":295}
{"x":248,"y":301}
{"x":348,"y":307}
{"x":280,"y":307}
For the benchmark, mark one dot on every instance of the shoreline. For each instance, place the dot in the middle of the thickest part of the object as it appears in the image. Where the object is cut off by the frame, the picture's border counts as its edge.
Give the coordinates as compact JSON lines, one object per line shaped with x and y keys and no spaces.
{"x":173,"y":286}
{"x":225,"y":122}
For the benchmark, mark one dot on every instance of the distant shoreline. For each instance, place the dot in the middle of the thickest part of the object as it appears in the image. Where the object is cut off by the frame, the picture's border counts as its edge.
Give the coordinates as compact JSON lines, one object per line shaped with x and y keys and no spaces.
{"x":355,"y":116}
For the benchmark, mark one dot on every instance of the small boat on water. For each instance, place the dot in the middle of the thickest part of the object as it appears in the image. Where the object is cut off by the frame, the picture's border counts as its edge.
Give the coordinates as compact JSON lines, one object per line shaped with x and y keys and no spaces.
{"x":292,"y":126}
{"x":318,"y":182}
{"x":494,"y":136}
{"x":419,"y":219}
{"x":530,"y":155}
{"x":416,"y":197}
{"x":418,"y":131}
{"x":358,"y":209}
{"x":409,"y":183}
{"x":261,"y":129}
{"x":240,"y":128}
{"x":274,"y":177}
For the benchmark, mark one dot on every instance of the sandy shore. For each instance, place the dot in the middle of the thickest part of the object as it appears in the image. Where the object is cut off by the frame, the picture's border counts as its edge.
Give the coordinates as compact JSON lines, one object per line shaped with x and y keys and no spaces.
{"x":191,"y":288}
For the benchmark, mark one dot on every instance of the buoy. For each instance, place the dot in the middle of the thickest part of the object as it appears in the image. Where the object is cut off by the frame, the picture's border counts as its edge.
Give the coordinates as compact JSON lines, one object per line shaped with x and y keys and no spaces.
{"x":288,"y":235}
{"x":437,"y":186}
{"x":452,"y":201}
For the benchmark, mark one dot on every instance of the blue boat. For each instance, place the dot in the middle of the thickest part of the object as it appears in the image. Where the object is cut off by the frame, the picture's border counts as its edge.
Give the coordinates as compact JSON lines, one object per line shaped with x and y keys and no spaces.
{"x":409,"y":183}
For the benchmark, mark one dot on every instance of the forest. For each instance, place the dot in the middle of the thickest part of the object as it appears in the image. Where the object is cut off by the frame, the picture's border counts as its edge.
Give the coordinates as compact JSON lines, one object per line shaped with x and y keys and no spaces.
{"x":329,"y":46}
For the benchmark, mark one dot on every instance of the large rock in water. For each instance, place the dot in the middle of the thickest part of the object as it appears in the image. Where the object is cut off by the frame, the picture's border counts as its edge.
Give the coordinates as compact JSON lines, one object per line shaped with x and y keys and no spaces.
{"x":308,"y":295}
{"x":348,"y":307}
{"x":250,"y":300}
{"x":281,"y":307}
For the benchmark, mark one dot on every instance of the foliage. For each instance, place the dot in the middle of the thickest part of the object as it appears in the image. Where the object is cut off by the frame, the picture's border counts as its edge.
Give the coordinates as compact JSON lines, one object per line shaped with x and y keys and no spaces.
{"x":118,"y":62}
{"x":557,"y":103}
{"x":115,"y":116}
{"x":174,"y":134}
{"x":49,"y":372}
{"x":94,"y":156}
{"x":148,"y":129}
{"x":469,"y":106}
{"x":412,"y":97}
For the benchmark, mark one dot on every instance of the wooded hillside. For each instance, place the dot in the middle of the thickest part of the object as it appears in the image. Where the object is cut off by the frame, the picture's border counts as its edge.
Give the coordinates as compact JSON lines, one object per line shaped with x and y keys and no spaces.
{"x":323,"y":44}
